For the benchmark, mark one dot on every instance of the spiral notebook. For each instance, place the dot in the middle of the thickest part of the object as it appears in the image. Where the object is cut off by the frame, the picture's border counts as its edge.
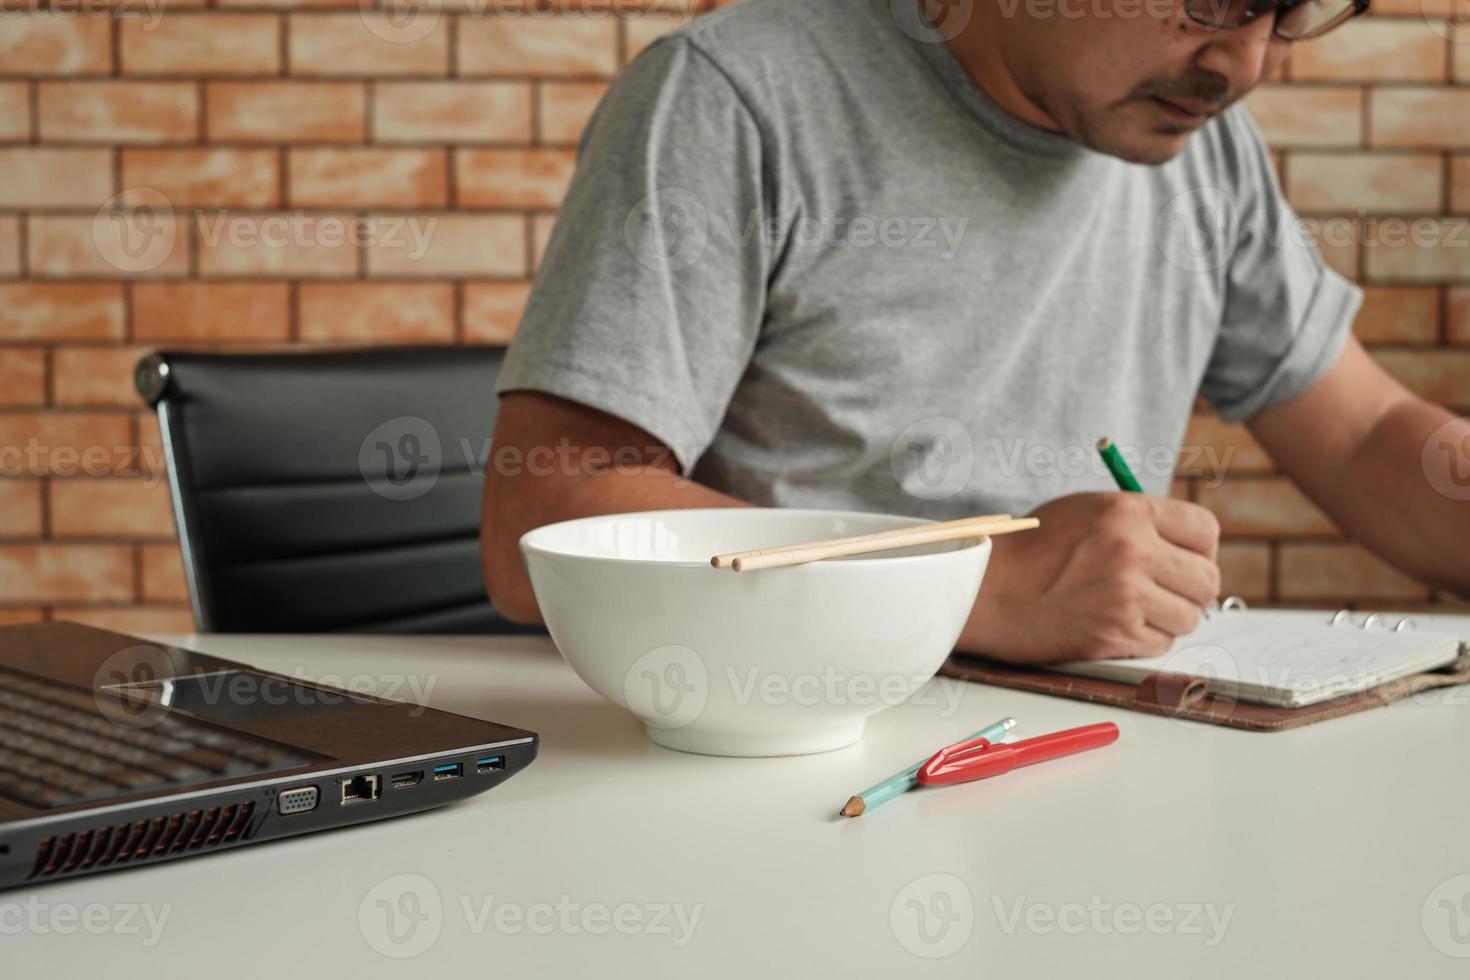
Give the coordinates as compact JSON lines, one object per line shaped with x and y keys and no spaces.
{"x":1290,"y":659}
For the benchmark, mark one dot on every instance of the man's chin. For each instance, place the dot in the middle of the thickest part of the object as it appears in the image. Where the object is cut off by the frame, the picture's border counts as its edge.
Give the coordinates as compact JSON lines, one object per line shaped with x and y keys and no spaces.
{"x":1151,"y":148}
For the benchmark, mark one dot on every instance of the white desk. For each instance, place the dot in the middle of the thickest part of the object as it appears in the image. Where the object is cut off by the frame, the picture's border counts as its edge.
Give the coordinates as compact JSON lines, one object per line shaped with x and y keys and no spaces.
{"x":1329,"y":849}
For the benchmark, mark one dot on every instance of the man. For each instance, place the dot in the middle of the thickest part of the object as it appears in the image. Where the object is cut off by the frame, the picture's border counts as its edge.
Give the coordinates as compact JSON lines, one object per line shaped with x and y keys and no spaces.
{"x":835,"y":253}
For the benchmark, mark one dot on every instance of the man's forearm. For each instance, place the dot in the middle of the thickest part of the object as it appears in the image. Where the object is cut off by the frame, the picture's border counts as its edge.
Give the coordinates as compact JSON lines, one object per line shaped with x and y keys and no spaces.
{"x":1411,"y":477}
{"x":516,"y":504}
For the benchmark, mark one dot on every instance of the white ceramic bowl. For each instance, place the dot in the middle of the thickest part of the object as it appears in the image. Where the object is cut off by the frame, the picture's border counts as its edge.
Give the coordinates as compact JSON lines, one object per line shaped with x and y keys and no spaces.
{"x":780,"y":661}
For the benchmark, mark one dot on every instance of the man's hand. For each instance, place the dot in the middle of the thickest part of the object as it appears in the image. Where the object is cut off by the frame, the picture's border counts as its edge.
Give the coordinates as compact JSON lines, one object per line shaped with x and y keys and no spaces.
{"x":1106,"y":575}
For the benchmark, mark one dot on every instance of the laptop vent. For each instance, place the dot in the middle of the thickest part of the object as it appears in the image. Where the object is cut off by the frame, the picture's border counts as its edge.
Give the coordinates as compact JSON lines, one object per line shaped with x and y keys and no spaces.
{"x":143,"y":840}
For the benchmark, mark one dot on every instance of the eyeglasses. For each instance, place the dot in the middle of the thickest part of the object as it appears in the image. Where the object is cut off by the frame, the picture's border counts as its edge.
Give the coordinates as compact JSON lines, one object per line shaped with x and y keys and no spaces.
{"x":1296,"y":20}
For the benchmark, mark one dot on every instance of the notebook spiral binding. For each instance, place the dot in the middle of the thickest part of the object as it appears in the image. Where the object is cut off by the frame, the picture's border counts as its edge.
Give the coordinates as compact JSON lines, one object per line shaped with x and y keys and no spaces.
{"x":1235,"y":603}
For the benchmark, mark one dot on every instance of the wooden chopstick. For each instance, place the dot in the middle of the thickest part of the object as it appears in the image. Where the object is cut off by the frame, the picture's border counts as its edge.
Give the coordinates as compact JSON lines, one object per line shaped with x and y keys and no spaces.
{"x":724,"y":561}
{"x":799,"y":554}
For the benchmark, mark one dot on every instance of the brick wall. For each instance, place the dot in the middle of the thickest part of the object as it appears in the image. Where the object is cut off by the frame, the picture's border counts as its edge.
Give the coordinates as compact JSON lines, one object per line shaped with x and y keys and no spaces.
{"x":267,"y":111}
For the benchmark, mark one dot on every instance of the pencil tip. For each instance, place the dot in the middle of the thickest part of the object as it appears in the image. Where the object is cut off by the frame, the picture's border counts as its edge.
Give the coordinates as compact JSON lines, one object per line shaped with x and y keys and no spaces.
{"x":1104,"y":442}
{"x":854,"y":807}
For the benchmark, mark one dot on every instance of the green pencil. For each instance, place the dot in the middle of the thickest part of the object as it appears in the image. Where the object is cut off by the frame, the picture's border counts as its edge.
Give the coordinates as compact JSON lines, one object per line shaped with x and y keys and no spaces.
{"x":1117,"y":466}
{"x":903,"y":782}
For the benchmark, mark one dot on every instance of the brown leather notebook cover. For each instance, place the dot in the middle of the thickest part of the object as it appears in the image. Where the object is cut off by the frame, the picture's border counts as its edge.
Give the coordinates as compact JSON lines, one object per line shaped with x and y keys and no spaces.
{"x":1185,"y":697}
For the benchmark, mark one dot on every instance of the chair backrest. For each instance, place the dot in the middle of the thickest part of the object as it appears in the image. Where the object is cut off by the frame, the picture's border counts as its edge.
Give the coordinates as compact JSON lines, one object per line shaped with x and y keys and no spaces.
{"x":330,"y":491}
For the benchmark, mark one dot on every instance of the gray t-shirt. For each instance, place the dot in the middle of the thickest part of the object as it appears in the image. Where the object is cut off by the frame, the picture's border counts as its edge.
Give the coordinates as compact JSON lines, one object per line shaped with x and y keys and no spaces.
{"x":808,"y":253}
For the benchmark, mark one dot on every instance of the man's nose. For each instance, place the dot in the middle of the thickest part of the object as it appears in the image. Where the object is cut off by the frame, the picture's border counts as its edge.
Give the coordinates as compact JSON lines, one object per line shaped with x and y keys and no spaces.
{"x":1240,"y":55}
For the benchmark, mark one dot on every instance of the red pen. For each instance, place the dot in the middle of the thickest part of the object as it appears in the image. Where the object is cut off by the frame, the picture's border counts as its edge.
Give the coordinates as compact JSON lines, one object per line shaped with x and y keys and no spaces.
{"x":977,"y":758}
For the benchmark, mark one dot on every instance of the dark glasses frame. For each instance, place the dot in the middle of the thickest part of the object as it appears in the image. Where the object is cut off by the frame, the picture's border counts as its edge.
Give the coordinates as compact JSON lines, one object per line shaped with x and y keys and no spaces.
{"x":1204,"y":12}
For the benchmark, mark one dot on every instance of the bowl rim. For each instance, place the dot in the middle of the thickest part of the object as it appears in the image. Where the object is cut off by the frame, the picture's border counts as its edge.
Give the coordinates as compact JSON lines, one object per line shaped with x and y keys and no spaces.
{"x":528,"y":547}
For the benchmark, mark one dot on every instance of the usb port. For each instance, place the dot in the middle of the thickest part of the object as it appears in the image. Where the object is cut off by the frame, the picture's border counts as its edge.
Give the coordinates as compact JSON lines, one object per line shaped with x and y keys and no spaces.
{"x":452,"y":770}
{"x":490,"y":763}
{"x":406,"y":779}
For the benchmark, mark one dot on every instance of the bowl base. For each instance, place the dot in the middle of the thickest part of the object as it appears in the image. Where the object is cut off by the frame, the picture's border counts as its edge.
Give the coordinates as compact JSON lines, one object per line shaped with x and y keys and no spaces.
{"x":763,"y":744}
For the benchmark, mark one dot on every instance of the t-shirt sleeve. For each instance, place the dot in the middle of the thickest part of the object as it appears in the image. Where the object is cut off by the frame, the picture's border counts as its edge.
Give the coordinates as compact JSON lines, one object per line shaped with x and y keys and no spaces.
{"x":1287,"y":315}
{"x":649,"y":300}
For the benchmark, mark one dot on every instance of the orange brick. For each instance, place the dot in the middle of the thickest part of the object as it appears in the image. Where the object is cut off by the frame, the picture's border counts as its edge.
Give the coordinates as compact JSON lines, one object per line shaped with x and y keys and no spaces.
{"x":286,"y":243}
{"x":95,"y":376}
{"x":55,"y":44}
{"x":274,"y":112}
{"x":163,"y":573}
{"x":1308,"y":115}
{"x":21,"y":615}
{"x":1460,"y":184}
{"x":492,"y":310}
{"x":447,"y":245}
{"x":1412,"y":116}
{"x":15,"y":111}
{"x":65,"y":444}
{"x":1441,"y":376}
{"x":544,"y":46}
{"x":566,"y":107}
{"x":9,"y":249}
{"x":1372,"y":49}
{"x":1461,"y":46}
{"x":211,"y":177}
{"x":213,"y":311}
{"x":1436,"y":9}
{"x":459,"y":112}
{"x":160,"y":620}
{"x":20,"y":508}
{"x":110,"y":508}
{"x":541,"y":228}
{"x":1459,"y":316}
{"x":368,"y":42}
{"x":1245,"y":570}
{"x":44,"y":177}
{"x":22,"y":376}
{"x":92,"y":246}
{"x":1338,"y":573}
{"x":1338,"y":240}
{"x":368,"y":177}
{"x":513,"y":178}
{"x":1213,"y":450}
{"x":288,"y":4}
{"x":119,"y":112}
{"x":643,"y":31}
{"x":1399,"y":315}
{"x":201,"y":44}
{"x":51,"y":572}
{"x":1381,"y":182}
{"x":43,"y":311}
{"x":1417,"y":249}
{"x":1265,"y":508}
{"x":377,"y":313}
{"x":151,"y":462}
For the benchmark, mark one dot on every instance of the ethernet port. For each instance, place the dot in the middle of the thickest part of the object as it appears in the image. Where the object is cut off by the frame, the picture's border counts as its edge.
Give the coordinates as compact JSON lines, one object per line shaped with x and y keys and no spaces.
{"x":359,"y":789}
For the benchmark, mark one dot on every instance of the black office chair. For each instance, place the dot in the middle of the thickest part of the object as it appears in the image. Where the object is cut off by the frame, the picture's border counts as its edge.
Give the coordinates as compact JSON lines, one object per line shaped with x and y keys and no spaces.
{"x":332,"y":491}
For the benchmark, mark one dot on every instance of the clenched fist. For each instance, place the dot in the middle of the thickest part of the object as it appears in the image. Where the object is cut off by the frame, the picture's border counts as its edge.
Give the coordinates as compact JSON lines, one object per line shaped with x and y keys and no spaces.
{"x":1106,"y":575}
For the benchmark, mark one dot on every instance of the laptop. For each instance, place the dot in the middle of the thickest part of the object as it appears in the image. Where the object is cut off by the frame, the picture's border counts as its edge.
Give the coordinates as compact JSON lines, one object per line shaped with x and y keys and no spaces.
{"x":116,"y":752}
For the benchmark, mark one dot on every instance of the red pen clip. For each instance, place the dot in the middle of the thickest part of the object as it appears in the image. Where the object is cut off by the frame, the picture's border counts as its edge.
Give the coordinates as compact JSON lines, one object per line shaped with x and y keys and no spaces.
{"x":977,"y":758}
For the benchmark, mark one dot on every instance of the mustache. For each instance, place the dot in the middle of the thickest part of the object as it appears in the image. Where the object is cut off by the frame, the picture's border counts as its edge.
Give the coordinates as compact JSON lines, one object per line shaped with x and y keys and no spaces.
{"x":1208,"y":87}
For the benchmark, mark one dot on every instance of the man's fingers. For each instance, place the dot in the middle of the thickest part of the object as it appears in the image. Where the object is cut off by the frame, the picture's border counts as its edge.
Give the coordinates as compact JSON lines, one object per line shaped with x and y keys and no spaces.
{"x":1170,"y":613}
{"x":1186,"y":525}
{"x":1187,"y":574}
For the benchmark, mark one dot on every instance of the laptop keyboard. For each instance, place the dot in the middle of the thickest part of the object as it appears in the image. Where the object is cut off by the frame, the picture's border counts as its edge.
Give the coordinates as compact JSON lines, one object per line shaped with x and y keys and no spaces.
{"x":57,"y":748}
